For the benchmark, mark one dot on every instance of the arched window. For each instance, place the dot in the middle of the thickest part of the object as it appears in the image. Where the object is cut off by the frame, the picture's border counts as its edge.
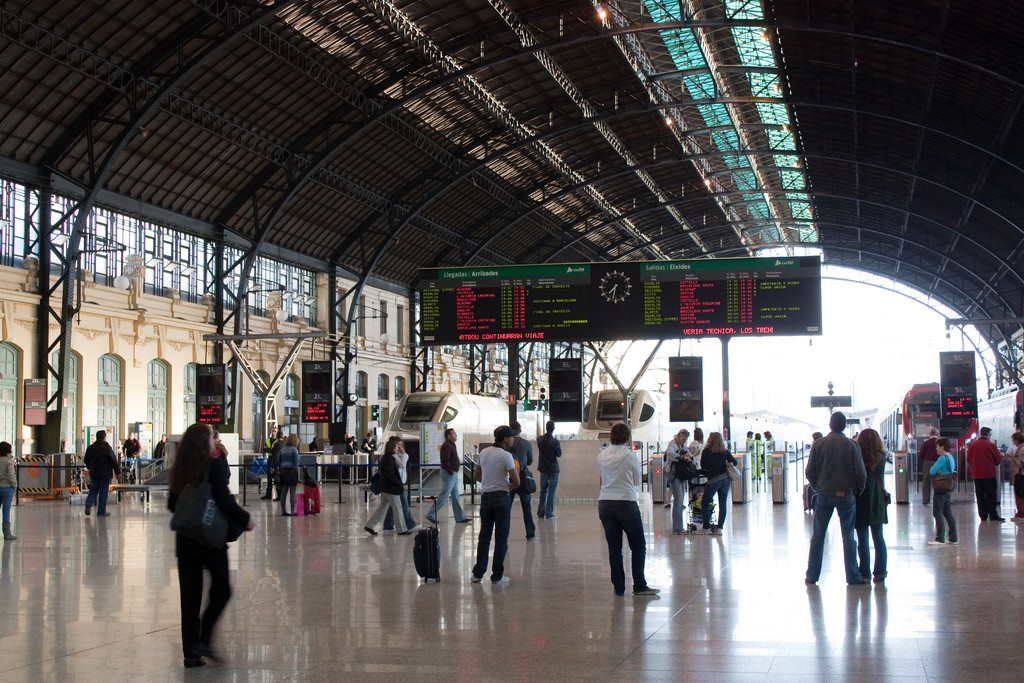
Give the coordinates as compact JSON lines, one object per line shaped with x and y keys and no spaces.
{"x":156,"y":400}
{"x":72,"y":429}
{"x":382,"y":387}
{"x":189,"y":391}
{"x":361,"y":381}
{"x":8,"y":393}
{"x":108,"y":396}
{"x":399,"y":388}
{"x":291,"y":400}
{"x":258,"y":419}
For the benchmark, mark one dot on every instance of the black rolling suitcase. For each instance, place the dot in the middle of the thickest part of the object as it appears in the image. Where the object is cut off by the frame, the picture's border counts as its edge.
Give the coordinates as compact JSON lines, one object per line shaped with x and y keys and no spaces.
{"x":426,"y":553}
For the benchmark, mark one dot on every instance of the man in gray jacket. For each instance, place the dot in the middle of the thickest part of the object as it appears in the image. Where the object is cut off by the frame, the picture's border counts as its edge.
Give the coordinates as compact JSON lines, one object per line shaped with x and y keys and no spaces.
{"x":835,"y":470}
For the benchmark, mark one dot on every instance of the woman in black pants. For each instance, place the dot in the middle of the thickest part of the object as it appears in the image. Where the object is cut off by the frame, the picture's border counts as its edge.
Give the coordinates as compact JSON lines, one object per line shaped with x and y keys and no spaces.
{"x":195,"y":460}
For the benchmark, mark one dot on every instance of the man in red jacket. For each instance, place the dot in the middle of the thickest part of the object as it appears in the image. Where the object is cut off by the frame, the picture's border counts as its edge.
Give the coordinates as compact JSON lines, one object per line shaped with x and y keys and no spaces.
{"x":927,"y":456}
{"x":983,"y":458}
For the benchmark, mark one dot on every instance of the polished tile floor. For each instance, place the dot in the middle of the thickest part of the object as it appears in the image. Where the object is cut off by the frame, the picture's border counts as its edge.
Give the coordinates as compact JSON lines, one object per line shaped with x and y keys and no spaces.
{"x":316,"y":599}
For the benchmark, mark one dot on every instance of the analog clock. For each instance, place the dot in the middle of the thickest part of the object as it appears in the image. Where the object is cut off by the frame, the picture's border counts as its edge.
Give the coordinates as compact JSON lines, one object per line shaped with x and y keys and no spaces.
{"x":615,"y":286}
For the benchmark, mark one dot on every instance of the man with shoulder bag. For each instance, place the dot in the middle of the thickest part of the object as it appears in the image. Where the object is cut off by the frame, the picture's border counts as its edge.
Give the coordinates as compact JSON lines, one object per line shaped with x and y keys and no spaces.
{"x":522,"y":451}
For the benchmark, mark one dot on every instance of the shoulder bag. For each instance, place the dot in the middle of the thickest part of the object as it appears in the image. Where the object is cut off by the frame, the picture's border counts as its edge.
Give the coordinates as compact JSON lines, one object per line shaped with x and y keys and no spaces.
{"x":197,"y":516}
{"x":732,"y":471}
{"x":885,"y":494}
{"x":944,"y":483}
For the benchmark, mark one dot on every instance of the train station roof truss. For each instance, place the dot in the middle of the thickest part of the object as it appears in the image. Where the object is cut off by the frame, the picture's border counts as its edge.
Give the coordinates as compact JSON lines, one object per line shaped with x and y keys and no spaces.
{"x":383,"y":136}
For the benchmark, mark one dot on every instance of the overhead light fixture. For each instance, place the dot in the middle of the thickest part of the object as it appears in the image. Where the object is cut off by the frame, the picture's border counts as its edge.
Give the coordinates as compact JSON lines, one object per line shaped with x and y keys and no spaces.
{"x":785,"y":128}
{"x":188,"y":270}
{"x":669,"y":121}
{"x":59,"y":239}
{"x":602,"y":13}
{"x":707,"y":183}
{"x":155,"y":261}
{"x":122,"y":283}
{"x":764,"y":34}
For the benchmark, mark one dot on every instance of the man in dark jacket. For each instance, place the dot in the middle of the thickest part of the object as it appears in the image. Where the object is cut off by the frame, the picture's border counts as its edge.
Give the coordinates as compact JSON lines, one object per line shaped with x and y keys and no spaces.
{"x":835,"y":470}
{"x":548,"y":453}
{"x":927,"y":455}
{"x":522,"y":451}
{"x":451,"y":474}
{"x":102,"y":465}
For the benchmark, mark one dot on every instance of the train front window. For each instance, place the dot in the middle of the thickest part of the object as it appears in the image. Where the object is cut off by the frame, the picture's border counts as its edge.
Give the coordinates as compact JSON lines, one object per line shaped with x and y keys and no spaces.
{"x":449,"y":414}
{"x":419,"y":409}
{"x":647,"y":412}
{"x":609,"y":410}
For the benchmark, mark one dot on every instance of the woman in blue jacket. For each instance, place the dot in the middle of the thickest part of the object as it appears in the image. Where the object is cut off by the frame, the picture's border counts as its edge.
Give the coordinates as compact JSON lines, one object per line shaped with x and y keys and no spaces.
{"x":945,"y":464}
{"x":288,"y":467}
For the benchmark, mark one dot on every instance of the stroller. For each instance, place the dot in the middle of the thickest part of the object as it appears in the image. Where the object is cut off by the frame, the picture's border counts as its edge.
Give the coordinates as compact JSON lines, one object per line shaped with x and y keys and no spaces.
{"x":697,"y":485}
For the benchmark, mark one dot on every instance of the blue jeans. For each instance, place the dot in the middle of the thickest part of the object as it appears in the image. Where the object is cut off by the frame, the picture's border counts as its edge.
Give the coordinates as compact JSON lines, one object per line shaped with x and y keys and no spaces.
{"x":449,"y":488}
{"x":98,"y":489}
{"x":524,"y":501}
{"x":618,"y":517}
{"x":845,"y":508}
{"x":881,"y":555}
{"x":721,"y":487}
{"x":943,"y":514}
{"x":7,"y":495}
{"x":495,"y":515}
{"x":389,"y":518}
{"x":546,"y":504}
{"x":679,"y":502}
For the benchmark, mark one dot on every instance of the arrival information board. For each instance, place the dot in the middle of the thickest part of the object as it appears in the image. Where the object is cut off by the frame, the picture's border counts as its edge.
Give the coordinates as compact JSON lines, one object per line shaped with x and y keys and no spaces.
{"x":624,"y":300}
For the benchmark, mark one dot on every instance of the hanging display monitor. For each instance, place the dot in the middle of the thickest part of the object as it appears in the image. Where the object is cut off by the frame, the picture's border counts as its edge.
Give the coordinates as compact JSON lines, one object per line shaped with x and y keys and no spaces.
{"x":958,"y":386}
{"x":686,"y":389}
{"x":317,"y":390}
{"x":575,"y":302}
{"x":211,"y":395}
{"x":566,"y":389}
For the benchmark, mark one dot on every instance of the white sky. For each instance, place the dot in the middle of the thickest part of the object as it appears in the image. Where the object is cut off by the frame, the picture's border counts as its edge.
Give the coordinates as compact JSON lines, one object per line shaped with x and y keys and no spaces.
{"x":875,"y":345}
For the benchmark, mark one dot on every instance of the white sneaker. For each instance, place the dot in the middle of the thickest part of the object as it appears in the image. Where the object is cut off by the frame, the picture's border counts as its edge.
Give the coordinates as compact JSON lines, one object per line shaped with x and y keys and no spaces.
{"x":500,"y":582}
{"x":936,"y":543}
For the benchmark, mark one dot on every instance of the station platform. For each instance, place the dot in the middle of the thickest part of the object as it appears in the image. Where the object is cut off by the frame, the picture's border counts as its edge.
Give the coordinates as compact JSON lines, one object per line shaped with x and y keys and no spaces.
{"x":87,"y":599}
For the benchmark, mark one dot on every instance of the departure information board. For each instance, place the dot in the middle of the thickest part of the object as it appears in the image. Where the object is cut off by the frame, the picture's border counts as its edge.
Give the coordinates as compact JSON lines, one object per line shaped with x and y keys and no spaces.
{"x":621,"y":300}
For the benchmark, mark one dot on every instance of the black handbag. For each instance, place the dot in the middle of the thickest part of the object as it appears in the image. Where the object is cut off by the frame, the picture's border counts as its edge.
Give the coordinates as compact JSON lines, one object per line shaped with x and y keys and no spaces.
{"x":529,"y":482}
{"x":197,"y":516}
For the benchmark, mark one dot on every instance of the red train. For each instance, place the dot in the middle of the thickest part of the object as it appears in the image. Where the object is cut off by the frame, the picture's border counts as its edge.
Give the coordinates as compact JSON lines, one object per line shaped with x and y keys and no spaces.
{"x":907,"y":424}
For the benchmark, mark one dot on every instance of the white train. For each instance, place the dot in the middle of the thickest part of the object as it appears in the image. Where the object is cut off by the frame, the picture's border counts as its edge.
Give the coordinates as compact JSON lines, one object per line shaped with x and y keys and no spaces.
{"x":648,"y":418}
{"x":473,"y":417}
{"x":1002,"y":413}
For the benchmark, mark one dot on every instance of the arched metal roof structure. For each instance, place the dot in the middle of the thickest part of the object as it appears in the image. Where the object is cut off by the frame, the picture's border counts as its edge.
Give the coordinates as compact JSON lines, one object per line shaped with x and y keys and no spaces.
{"x":383,"y":136}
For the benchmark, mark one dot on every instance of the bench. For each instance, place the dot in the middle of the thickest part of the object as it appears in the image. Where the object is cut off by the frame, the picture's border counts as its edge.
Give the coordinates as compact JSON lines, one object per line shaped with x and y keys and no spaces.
{"x":131,"y":488}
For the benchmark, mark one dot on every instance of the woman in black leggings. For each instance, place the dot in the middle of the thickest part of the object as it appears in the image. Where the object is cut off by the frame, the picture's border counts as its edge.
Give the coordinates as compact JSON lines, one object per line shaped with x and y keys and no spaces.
{"x":196,"y":460}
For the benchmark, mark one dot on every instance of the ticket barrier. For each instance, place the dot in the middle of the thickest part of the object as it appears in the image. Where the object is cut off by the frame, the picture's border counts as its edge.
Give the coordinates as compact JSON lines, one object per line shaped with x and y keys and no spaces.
{"x":658,"y":480}
{"x":741,"y":487}
{"x":902,"y":475}
{"x":780,"y":478}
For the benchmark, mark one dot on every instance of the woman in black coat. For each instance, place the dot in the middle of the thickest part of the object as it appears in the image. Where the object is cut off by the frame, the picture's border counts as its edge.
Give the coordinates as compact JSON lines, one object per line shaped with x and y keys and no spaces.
{"x":195,"y":460}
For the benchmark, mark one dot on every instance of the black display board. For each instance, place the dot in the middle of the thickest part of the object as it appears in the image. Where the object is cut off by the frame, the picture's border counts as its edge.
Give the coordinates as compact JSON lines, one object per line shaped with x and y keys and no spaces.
{"x":686,"y":389}
{"x":621,"y":300}
{"x":566,"y":389}
{"x":211,"y":392}
{"x":317,"y":390}
{"x":958,"y":385}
